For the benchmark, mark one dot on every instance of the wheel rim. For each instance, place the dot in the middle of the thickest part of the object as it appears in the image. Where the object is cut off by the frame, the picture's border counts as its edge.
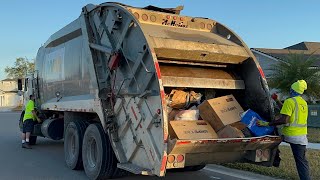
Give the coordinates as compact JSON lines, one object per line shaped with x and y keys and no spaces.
{"x":92,"y":153}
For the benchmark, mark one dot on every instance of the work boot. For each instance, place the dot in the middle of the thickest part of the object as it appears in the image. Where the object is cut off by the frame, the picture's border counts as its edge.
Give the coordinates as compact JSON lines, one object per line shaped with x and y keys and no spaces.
{"x":26,"y":145}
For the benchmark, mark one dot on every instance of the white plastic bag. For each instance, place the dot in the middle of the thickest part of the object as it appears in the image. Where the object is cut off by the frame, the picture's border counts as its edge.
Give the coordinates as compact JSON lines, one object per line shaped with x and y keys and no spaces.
{"x":190,"y":114}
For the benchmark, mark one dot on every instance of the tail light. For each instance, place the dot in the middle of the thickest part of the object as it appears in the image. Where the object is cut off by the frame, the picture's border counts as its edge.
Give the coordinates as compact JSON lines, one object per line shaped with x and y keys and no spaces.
{"x":171,"y":159}
{"x":180,"y":158}
{"x":259,"y":153}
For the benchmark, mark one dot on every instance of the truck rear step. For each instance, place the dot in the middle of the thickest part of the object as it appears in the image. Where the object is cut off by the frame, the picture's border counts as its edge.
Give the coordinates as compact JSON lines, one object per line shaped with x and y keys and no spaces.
{"x":208,"y":151}
{"x":134,"y":169}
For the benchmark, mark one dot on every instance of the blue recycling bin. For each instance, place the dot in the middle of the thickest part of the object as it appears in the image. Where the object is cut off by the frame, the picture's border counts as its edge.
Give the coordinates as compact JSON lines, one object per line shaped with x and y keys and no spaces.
{"x":250,"y":119}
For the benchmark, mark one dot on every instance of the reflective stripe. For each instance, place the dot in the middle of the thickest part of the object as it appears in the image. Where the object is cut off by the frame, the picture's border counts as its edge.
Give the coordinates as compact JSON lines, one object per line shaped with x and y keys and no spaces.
{"x":296,"y":114}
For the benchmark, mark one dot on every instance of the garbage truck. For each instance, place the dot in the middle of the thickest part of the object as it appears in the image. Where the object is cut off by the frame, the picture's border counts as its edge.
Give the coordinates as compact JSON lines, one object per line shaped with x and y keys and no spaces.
{"x":101,"y":83}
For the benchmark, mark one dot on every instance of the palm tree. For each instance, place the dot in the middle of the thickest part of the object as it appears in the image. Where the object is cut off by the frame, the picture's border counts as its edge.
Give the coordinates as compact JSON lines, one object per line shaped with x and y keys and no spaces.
{"x":295,"y":67}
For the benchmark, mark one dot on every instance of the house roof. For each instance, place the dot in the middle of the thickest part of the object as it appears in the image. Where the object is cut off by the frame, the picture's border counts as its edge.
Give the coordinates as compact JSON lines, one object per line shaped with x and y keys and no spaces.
{"x":306,"y":48}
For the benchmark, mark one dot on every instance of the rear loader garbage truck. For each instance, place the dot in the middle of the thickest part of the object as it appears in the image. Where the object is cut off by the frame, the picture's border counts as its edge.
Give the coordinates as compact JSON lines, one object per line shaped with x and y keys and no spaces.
{"x":104,"y":85}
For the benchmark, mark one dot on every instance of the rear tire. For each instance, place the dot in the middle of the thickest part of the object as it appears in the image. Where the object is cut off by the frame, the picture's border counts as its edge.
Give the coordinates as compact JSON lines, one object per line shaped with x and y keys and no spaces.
{"x":99,"y":160}
{"x":73,"y":144}
{"x":33,"y":140}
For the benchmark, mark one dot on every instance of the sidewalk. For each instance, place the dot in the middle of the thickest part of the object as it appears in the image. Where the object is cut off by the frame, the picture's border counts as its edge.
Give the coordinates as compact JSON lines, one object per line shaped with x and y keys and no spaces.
{"x":6,"y":109}
{"x":309,"y":146}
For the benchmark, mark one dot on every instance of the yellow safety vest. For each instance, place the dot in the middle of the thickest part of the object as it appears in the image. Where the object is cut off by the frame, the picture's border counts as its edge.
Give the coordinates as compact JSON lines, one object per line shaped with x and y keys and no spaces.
{"x":28,"y":111}
{"x":297,"y":109}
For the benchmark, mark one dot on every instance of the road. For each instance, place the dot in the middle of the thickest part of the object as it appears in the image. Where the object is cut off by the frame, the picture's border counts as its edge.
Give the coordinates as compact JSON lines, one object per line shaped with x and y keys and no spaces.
{"x":46,"y":160}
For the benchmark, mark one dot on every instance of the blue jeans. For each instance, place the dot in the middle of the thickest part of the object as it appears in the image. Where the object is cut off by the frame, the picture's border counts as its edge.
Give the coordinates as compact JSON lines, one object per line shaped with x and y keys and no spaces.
{"x":299,"y":153}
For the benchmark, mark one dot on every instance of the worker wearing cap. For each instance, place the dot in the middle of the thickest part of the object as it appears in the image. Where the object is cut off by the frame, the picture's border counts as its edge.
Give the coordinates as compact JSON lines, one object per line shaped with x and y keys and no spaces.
{"x":29,"y":119}
{"x":294,"y":115}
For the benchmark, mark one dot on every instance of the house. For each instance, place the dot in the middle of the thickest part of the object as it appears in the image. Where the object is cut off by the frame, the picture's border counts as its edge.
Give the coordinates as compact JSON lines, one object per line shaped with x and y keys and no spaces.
{"x":268,"y":57}
{"x":9,"y":93}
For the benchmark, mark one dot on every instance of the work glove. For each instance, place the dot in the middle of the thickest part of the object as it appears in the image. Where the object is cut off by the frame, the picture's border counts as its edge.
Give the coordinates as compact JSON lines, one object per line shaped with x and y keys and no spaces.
{"x":274,"y":96}
{"x":262,"y":123}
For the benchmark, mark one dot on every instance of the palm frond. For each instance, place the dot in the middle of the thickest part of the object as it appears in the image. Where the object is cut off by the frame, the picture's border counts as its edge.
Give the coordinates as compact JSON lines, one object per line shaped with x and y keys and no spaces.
{"x":295,"y":67}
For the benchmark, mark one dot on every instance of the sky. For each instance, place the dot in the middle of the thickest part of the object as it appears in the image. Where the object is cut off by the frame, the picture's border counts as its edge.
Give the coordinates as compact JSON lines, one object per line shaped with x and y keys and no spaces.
{"x":26,"y":25}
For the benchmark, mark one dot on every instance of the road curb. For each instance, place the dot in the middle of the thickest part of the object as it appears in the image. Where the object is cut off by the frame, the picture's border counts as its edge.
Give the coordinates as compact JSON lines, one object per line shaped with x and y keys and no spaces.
{"x":315,"y":146}
{"x":237,"y":173}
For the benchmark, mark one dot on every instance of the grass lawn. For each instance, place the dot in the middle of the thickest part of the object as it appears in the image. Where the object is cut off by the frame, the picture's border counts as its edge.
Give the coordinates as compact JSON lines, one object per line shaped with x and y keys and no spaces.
{"x":314,"y":135}
{"x":287,"y":169}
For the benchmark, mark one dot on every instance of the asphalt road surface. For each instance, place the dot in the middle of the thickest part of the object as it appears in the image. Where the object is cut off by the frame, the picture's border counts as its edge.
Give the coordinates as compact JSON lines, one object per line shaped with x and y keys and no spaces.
{"x":46,"y":160}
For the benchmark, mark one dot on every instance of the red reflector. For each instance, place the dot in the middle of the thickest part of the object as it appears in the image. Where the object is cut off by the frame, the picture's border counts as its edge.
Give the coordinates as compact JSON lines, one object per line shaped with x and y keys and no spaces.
{"x":183,"y":142}
{"x":261,"y":72}
{"x":114,"y":61}
{"x":168,"y":16}
{"x":181,"y":19}
{"x":180,"y":158}
{"x":175,"y":17}
{"x":163,"y":164}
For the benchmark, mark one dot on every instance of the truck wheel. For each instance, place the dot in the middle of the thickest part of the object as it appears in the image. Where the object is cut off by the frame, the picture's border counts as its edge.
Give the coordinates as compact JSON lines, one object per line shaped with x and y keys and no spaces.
{"x":73,"y":144}
{"x":33,"y":140}
{"x":98,"y":157}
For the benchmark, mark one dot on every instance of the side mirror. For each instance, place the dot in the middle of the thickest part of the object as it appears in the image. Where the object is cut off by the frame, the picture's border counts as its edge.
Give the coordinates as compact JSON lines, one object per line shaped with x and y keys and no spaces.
{"x":19,"y":84}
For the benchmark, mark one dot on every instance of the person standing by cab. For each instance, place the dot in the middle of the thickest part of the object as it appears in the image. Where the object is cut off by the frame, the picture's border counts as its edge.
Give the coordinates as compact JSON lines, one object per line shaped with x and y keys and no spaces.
{"x":29,"y":119}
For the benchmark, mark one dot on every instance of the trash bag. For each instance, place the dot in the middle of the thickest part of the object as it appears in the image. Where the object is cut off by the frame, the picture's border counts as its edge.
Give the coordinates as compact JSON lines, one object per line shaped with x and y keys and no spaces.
{"x":190,"y":114}
{"x":179,"y":99}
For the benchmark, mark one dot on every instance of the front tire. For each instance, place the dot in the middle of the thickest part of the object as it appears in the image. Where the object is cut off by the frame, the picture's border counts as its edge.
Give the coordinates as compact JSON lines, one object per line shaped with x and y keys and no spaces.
{"x":73,"y":144}
{"x":98,"y":157}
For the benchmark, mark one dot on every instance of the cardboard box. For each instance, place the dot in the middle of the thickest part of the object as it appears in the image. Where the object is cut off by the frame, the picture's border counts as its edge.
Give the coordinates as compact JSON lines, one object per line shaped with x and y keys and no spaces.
{"x":221,"y":111}
{"x":230,"y":132}
{"x":239,"y":125}
{"x":192,"y":130}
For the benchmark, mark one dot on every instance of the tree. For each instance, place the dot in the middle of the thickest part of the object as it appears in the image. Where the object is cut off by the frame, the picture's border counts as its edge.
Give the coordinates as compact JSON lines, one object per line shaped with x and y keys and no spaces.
{"x":296,"y":67}
{"x":21,"y":67}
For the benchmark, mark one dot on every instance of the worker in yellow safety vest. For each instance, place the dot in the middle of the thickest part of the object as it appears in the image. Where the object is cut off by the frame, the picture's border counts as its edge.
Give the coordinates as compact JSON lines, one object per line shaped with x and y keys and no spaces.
{"x":294,"y":115}
{"x":29,"y":120}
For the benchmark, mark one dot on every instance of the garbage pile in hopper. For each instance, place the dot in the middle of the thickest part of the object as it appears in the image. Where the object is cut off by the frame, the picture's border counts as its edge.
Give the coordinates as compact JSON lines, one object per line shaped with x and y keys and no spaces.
{"x":191,"y":117}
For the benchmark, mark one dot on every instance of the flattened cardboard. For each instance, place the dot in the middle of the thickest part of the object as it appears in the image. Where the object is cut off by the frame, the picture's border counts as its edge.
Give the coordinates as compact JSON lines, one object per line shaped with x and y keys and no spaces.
{"x":230,"y":132}
{"x":221,"y":111}
{"x":196,"y":129}
{"x":239,"y":125}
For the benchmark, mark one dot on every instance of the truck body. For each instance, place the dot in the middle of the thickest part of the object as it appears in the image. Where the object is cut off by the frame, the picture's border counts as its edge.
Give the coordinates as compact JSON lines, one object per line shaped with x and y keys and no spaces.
{"x":105,"y":76}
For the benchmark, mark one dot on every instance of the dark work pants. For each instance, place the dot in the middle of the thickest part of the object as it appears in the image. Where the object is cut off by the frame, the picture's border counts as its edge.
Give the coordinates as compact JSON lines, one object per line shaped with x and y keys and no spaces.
{"x":299,"y":153}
